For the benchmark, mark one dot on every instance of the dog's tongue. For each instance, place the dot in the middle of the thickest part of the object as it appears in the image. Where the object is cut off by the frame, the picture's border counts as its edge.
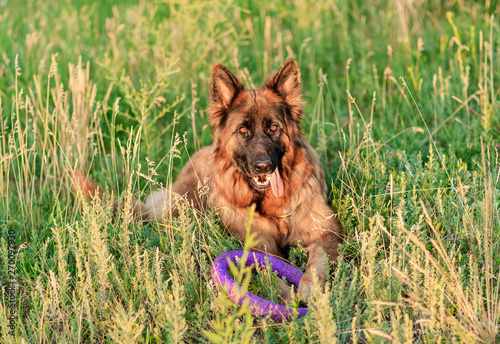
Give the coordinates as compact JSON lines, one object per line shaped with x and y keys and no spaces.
{"x":277,"y":183}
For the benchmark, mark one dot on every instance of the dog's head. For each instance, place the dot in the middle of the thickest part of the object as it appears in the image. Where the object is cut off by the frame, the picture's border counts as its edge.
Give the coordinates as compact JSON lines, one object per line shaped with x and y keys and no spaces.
{"x":256,"y":127}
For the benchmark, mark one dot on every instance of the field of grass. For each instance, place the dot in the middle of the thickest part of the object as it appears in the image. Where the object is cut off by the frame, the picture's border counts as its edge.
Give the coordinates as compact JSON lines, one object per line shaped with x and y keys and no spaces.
{"x":402,"y":103}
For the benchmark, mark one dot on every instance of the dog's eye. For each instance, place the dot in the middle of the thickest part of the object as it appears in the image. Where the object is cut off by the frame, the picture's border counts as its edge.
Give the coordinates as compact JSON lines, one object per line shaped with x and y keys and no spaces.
{"x":273,"y":127}
{"x":243,"y":130}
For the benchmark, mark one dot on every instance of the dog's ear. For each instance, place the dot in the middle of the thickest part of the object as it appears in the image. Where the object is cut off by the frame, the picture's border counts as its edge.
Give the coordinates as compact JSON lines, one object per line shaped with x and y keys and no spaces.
{"x":224,"y":88}
{"x":286,"y":83}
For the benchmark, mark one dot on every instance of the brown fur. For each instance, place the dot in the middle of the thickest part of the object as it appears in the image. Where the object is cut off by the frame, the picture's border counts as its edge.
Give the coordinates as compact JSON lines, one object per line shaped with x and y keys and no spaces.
{"x":300,"y":215}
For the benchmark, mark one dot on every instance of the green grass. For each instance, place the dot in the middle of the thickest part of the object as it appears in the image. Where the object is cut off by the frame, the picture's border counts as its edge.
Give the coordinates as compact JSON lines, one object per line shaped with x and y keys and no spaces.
{"x":402,"y":103}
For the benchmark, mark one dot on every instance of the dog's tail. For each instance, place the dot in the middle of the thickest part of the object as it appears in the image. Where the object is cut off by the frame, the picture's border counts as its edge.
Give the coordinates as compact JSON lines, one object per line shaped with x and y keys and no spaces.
{"x":91,"y":190}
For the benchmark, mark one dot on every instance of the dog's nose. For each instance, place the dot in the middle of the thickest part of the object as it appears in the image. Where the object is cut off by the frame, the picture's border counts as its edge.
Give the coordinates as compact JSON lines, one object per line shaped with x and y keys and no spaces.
{"x":263,"y":165}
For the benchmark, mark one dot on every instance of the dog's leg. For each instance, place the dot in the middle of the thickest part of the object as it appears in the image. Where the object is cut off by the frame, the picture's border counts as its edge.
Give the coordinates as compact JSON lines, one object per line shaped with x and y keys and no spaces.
{"x":191,"y":185}
{"x":162,"y":203}
{"x":319,"y":251}
{"x":284,"y":292}
{"x":316,"y":265}
{"x":320,"y":240}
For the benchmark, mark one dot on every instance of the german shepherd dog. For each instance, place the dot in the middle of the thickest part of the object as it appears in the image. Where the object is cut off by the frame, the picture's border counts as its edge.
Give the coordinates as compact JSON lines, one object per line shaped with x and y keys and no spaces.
{"x":259,"y":157}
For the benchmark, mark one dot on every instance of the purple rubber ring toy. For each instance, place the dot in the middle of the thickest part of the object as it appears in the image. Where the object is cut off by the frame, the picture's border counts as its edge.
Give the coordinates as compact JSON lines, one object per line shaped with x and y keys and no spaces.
{"x":258,"y":305}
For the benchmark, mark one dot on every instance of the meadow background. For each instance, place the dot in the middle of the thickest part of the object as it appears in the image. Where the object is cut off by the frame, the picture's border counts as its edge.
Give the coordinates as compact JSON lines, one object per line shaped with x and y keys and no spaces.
{"x":401,"y":103}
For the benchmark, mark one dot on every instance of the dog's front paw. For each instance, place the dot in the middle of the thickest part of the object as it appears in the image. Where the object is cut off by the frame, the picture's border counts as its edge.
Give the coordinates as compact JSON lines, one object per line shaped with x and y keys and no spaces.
{"x":307,"y":285}
{"x":305,"y":288}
